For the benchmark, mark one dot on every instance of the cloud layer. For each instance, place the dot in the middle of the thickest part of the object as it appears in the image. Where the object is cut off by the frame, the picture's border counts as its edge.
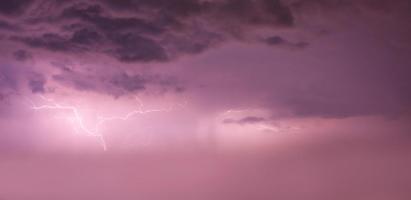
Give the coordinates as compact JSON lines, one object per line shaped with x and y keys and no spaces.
{"x":140,"y":31}
{"x":297,"y":58}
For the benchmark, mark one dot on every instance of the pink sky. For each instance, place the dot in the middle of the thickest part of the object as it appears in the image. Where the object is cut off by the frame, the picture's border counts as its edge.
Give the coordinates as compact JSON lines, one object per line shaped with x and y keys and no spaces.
{"x":216,"y":99}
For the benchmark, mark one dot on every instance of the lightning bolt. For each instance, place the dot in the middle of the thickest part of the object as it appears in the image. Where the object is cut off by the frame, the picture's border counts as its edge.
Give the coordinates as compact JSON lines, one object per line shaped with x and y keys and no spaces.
{"x":95,"y":131}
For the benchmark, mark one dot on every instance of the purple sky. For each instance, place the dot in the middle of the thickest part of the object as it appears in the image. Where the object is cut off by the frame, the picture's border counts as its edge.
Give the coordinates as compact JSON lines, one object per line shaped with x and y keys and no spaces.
{"x":224,"y":82}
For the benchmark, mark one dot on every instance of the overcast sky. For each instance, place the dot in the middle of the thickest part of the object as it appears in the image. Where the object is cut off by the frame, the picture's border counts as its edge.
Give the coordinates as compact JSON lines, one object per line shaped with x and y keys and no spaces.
{"x":137,"y":75}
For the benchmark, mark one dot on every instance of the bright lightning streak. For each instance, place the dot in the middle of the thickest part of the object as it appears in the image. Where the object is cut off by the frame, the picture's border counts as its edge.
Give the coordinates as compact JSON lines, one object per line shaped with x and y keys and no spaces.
{"x":95,"y":131}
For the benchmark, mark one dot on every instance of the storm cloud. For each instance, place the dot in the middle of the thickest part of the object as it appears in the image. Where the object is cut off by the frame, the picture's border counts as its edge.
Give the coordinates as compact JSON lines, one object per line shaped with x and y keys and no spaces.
{"x":212,"y":92}
{"x":292,"y":59}
{"x":148,"y":31}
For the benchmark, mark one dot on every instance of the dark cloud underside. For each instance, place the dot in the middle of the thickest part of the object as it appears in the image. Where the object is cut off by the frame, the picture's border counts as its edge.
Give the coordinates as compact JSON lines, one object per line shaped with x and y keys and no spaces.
{"x":13,"y":7}
{"x":136,"y":34}
{"x":147,"y":30}
{"x":245,"y":120}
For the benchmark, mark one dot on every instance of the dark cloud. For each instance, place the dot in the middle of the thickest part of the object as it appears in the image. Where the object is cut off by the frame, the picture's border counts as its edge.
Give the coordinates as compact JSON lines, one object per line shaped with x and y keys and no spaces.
{"x":62,"y":66}
{"x":275,"y":40}
{"x":4,"y":25}
{"x":8,"y":77}
{"x":330,"y":6}
{"x":83,"y":11}
{"x":129,"y":83}
{"x":77,"y":81}
{"x":192,"y":43}
{"x":9,"y":86}
{"x":128,"y":47}
{"x":116,"y":84}
{"x":245,"y":120}
{"x":14,"y":6}
{"x":153,"y":23}
{"x":135,"y":83}
{"x":122,"y":24}
{"x":132,"y":47}
{"x":144,"y":31}
{"x":281,"y":12}
{"x":94,"y":15}
{"x":262,"y":12}
{"x":141,"y":31}
{"x":171,"y":7}
{"x":49,"y":41}
{"x":80,"y":40}
{"x":12,"y":77}
{"x":22,"y":55}
{"x":245,"y":11}
{"x":36,"y":83}
{"x":85,"y":37}
{"x":279,"y":41}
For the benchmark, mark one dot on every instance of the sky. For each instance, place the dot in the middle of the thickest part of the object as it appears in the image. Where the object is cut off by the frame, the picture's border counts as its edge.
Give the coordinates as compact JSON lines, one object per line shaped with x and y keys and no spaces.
{"x":303,"y":98}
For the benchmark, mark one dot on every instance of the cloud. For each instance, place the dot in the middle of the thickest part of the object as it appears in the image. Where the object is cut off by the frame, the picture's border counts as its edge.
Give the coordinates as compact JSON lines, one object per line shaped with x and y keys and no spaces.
{"x":333,"y":6}
{"x":116,"y":83}
{"x":275,"y":40}
{"x":36,"y":83}
{"x":94,"y":14}
{"x":129,"y":83}
{"x":146,"y":31}
{"x":132,"y":47}
{"x":8,"y":77}
{"x":49,"y":41}
{"x":85,"y":36}
{"x":4,"y":25}
{"x":245,"y":120}
{"x":13,"y":7}
{"x":244,"y":11}
{"x":77,"y":81}
{"x":65,"y":67}
{"x":12,"y":77}
{"x":279,"y":41}
{"x":22,"y":55}
{"x":138,"y":36}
